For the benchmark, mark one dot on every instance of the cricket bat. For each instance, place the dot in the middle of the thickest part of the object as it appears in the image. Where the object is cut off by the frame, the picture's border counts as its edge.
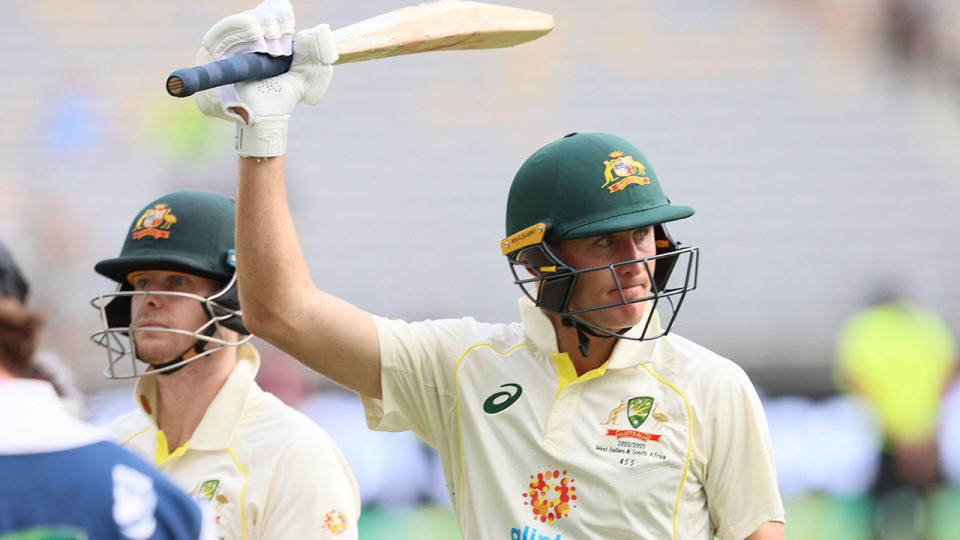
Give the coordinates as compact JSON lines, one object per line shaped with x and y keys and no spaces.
{"x":446,"y":25}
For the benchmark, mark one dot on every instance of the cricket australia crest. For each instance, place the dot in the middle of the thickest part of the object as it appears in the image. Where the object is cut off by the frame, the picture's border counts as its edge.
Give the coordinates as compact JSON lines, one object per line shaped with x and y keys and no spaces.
{"x":623,"y":170}
{"x":638,"y":409}
{"x":206,"y":490}
{"x":155,"y":222}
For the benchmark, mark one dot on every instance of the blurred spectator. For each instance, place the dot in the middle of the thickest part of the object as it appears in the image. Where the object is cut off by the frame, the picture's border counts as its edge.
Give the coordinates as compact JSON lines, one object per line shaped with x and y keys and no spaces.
{"x":909,"y":31}
{"x":12,"y":282}
{"x":57,"y":478}
{"x":900,"y":358}
{"x":42,"y":365}
{"x":20,"y":327}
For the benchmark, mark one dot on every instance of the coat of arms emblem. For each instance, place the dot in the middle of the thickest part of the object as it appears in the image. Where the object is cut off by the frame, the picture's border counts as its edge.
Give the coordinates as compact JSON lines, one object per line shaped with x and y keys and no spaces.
{"x":623,"y":170}
{"x":155,"y":222}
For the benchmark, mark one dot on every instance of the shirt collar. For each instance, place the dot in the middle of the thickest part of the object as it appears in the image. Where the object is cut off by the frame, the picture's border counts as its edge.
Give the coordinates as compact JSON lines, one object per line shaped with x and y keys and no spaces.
{"x":626,"y":353}
{"x":629,"y":352}
{"x":222,"y":417}
{"x":49,"y":427}
{"x":537,"y":326}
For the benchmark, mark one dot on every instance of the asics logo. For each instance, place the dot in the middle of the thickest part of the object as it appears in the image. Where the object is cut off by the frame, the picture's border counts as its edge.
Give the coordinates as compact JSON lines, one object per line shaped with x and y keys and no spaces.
{"x":501,"y":400}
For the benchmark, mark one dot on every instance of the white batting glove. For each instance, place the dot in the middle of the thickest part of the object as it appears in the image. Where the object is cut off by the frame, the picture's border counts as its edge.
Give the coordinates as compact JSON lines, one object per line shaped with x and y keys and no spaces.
{"x":266,"y":104}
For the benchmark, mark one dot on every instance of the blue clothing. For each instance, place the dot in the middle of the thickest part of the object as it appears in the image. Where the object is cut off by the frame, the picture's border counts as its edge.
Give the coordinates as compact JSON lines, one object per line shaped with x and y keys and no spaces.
{"x":58,"y":480}
{"x":99,"y":488}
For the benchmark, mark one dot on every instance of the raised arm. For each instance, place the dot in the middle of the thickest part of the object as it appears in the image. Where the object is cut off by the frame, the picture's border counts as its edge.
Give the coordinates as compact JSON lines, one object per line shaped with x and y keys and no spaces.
{"x":280,"y":302}
{"x":278,"y":298}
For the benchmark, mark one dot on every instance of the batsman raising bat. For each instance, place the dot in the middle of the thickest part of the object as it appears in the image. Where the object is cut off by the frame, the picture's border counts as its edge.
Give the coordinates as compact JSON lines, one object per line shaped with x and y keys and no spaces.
{"x":586,"y":419}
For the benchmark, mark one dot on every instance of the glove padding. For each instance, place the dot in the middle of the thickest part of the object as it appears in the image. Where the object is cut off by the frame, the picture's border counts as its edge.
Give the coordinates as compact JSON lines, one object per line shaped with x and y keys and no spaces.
{"x":267,"y":104}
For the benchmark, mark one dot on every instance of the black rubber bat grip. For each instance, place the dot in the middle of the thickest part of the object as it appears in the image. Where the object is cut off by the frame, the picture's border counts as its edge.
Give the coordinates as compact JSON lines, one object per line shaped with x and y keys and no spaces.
{"x":244,"y":67}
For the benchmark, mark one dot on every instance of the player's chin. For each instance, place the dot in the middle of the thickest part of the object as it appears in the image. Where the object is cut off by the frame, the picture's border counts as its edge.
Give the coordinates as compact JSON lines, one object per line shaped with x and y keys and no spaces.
{"x":617,"y":318}
{"x":154,"y":350}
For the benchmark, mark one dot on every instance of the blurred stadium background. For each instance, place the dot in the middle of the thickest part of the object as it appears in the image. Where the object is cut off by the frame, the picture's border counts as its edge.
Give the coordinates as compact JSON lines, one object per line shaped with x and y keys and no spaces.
{"x":818,"y":141}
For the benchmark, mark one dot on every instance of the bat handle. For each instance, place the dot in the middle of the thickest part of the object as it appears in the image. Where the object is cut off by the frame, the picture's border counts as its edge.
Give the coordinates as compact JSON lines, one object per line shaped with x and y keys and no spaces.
{"x":243,"y":67}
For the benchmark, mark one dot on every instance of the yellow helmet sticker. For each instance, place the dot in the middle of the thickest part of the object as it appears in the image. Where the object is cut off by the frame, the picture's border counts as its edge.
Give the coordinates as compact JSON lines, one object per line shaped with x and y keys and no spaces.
{"x":530,"y":236}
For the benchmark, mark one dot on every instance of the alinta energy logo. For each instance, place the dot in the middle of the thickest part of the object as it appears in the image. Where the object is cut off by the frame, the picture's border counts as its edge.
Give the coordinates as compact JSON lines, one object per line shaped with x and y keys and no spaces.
{"x":335,"y":521}
{"x":551,"y":495}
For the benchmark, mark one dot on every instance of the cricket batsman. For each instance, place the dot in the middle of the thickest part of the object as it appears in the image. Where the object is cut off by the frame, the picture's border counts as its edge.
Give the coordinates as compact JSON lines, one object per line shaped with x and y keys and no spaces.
{"x":585,"y":419}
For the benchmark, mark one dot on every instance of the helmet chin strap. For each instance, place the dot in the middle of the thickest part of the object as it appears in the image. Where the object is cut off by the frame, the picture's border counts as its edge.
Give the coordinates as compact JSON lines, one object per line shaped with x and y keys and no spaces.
{"x":584,"y":332}
{"x":197,"y":348}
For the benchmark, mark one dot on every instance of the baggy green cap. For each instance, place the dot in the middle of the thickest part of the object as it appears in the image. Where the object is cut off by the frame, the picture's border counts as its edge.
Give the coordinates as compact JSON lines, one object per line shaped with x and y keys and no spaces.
{"x":588,"y":184}
{"x":187,"y":231}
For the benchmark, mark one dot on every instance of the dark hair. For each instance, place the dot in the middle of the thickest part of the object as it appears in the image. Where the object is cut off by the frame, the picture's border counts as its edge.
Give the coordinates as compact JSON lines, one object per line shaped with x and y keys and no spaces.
{"x":12,"y":282}
{"x":19,"y":332}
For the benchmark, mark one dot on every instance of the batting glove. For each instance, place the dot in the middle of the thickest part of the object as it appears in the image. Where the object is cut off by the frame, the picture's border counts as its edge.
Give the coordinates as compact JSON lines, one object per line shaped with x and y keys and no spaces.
{"x":266,"y":104}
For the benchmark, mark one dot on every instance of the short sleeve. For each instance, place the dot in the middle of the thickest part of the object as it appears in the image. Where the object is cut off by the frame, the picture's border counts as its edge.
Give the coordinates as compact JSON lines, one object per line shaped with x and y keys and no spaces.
{"x":741,"y":480}
{"x":312,"y":493}
{"x":418,"y":362}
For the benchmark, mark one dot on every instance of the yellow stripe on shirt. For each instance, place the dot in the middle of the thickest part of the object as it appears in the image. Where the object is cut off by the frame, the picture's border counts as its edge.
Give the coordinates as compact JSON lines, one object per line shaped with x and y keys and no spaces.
{"x":456,"y":394}
{"x":686,"y":460}
{"x":243,"y":493}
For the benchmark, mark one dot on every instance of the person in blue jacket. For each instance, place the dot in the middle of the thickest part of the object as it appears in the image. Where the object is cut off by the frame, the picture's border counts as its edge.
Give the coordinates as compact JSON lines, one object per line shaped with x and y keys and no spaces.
{"x":58,"y":478}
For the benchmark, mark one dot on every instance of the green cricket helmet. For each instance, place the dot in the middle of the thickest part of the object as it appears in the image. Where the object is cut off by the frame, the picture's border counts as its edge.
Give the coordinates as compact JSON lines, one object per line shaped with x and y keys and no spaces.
{"x":583,"y":185}
{"x":185,"y":231}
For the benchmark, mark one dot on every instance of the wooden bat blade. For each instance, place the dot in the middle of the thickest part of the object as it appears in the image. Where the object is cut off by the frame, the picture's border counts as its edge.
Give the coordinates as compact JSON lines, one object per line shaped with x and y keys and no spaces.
{"x":438,"y":26}
{"x":446,"y":25}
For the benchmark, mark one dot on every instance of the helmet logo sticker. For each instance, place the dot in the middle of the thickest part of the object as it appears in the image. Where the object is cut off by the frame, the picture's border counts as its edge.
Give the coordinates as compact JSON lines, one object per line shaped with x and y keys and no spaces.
{"x":155,"y":222}
{"x":623,"y":170}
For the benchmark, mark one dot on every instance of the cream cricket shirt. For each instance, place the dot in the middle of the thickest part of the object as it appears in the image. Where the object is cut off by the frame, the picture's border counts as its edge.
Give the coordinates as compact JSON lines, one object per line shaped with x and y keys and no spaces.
{"x":666,"y":440}
{"x":266,"y":470}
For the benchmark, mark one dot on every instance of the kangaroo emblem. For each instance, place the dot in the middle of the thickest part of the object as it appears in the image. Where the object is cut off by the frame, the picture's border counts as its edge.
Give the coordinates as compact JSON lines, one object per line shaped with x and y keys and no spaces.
{"x":612,"y":419}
